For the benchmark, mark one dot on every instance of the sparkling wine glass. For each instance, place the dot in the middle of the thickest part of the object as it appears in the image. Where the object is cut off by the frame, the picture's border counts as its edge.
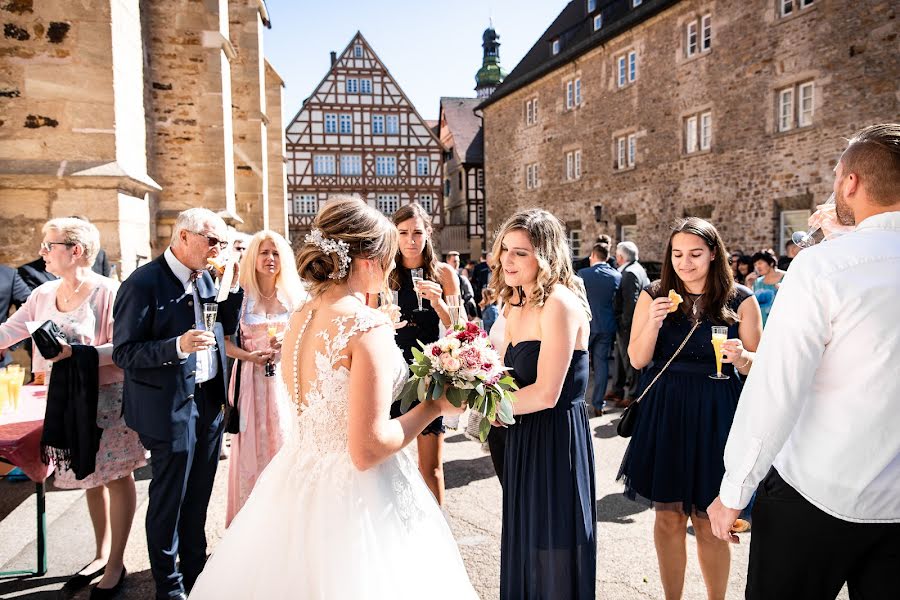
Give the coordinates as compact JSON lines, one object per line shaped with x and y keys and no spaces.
{"x":454,"y":305}
{"x":210,"y":310}
{"x":418,"y":275}
{"x":813,"y":235}
{"x":719,"y":335}
{"x":271,"y":331}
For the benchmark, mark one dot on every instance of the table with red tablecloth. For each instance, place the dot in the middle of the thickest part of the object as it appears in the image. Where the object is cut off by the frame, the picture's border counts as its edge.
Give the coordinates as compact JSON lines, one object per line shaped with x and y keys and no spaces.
{"x":20,"y":445}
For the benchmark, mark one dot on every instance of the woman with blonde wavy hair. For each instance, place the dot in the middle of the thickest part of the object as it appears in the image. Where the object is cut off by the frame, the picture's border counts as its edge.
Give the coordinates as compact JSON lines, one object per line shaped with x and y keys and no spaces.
{"x":341,"y":492}
{"x":548,"y":545}
{"x":272,"y":291}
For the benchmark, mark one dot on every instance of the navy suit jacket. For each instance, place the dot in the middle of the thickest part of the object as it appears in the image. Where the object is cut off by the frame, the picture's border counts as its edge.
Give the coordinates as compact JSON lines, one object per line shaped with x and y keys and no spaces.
{"x":151,"y":311}
{"x":13,"y":292}
{"x":601,"y":283}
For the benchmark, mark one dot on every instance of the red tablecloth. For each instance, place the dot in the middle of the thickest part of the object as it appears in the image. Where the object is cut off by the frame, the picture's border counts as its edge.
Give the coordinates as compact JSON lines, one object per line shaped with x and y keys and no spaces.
{"x":20,"y":433}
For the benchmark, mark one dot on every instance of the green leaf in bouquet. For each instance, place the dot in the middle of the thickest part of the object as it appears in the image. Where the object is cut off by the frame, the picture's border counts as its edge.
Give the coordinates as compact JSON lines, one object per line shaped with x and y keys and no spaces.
{"x":420,"y":390}
{"x":484,"y":428}
{"x":437,"y":388}
{"x":418,"y":354}
{"x":408,"y":394}
{"x":479,"y":389}
{"x":456,"y":396}
{"x":509,"y":381}
{"x":505,"y":411}
{"x":492,"y":412}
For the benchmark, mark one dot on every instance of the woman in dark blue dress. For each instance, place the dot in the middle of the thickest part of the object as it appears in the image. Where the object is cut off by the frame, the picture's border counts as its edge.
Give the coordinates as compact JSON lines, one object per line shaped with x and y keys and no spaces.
{"x":675,"y":457}
{"x":549,"y":540}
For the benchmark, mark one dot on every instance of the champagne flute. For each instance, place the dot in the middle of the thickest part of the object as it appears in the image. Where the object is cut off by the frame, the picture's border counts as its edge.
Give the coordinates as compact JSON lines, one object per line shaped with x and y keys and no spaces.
{"x":813,"y":235}
{"x":210,"y":311}
{"x":417,"y":275}
{"x":719,"y":335}
{"x":454,"y":305}
{"x":271,"y":331}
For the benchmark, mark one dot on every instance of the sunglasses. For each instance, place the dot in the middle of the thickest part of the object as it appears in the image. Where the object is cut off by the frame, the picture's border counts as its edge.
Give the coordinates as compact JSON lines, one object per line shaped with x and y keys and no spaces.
{"x":48,"y":246}
{"x":212,"y":240}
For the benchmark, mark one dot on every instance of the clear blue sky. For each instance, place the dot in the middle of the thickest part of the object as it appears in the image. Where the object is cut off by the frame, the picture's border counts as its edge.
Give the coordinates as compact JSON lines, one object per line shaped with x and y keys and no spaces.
{"x":431,"y":48}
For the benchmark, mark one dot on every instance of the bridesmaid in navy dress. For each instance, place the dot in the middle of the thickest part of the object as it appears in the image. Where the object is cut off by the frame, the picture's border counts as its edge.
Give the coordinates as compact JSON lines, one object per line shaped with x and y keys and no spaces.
{"x":549,"y":539}
{"x":675,"y":457}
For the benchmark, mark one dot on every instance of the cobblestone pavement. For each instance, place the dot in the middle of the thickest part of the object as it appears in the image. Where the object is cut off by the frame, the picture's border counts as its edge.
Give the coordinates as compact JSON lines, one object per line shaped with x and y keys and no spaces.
{"x":626,"y":559}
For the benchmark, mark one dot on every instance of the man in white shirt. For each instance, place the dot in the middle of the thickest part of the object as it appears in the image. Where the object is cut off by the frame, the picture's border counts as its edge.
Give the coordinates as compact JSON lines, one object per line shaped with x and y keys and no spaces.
{"x":818,"y":422}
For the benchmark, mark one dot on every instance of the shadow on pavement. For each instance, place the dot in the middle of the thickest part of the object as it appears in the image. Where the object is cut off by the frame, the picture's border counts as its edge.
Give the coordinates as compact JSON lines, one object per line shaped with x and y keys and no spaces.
{"x":607,"y":430}
{"x":458,"y":473}
{"x":21,"y":584}
{"x":616,"y":508}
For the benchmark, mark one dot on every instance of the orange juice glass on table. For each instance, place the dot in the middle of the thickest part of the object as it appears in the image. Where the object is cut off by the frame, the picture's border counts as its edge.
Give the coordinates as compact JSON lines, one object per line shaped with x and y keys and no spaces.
{"x":16,"y":378}
{"x":5,"y":400}
{"x":719,"y":335}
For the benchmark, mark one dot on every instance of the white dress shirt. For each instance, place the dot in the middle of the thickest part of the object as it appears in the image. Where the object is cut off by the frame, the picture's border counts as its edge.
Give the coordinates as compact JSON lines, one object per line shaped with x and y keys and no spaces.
{"x":207,"y":365}
{"x":822,"y":402}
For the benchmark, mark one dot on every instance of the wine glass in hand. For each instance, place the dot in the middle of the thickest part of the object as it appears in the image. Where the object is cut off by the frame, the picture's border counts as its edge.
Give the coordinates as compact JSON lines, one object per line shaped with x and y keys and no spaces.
{"x":417,"y":276}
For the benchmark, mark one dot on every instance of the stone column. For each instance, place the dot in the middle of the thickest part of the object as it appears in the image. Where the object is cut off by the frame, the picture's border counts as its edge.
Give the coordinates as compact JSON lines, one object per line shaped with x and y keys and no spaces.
{"x":277,"y":163}
{"x":72,"y":130}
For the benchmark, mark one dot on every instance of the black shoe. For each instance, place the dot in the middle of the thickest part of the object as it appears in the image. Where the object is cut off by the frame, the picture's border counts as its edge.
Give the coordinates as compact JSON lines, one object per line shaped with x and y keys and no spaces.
{"x":78,"y":581}
{"x":108,"y":593}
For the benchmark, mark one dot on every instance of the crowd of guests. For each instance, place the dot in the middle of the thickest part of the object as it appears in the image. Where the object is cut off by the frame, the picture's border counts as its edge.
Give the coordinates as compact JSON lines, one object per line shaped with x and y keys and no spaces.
{"x":165,"y":377}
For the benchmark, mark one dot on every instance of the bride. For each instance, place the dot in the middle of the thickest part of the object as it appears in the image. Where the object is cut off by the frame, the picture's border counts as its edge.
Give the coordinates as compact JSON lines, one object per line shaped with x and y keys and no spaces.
{"x":341,"y":512}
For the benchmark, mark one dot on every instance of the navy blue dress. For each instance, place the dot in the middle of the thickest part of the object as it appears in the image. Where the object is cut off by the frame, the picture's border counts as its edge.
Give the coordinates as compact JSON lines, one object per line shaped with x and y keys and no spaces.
{"x":675,"y":457}
{"x":549,"y":541}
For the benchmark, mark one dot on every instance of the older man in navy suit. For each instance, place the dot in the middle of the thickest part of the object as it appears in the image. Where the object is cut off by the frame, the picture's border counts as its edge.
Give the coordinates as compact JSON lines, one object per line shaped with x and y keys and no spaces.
{"x":601,"y":282}
{"x":175,"y":388}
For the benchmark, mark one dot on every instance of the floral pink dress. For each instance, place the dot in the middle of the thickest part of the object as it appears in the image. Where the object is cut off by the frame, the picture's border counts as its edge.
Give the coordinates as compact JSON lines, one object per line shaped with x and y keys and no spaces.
{"x":265,"y":409}
{"x":90,"y":324}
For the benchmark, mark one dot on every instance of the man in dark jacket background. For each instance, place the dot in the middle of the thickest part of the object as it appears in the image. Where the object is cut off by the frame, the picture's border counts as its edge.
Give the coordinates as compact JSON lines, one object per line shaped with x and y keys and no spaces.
{"x":634,"y":280}
{"x":601,"y":282}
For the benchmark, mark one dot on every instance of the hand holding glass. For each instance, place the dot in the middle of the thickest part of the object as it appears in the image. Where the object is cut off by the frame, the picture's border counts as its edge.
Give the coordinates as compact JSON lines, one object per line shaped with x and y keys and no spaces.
{"x":210,"y":311}
{"x":417,"y":276}
{"x":812,"y":235}
{"x":719,"y":335}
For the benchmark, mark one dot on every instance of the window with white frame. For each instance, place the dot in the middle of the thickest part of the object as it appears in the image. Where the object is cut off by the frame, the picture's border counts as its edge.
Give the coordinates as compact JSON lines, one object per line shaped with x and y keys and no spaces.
{"x":578,"y":91}
{"x":698,"y":36}
{"x":388,"y":203}
{"x":422,"y":164}
{"x":385,"y":166}
{"x":365,"y":86}
{"x":573,"y":93}
{"x":378,"y":124}
{"x":626,"y":151}
{"x":626,"y":68}
{"x":305,"y":204}
{"x":791,"y":221}
{"x":427,"y":202}
{"x":323,"y":164}
{"x":573,"y":237}
{"x":531,"y":111}
{"x":352,"y":85}
{"x":392,"y":124}
{"x":532,"y":180}
{"x":346,"y":123}
{"x":598,"y":21}
{"x":787,"y":7}
{"x":330,"y":123}
{"x":479,"y":214}
{"x":351,"y":164}
{"x":479,"y":178}
{"x":573,"y":165}
{"x":705,"y":33}
{"x":554,"y":47}
{"x":627,"y":233}
{"x":358,"y":51}
{"x":591,"y":5}
{"x":794,"y":106}
{"x":698,"y":132}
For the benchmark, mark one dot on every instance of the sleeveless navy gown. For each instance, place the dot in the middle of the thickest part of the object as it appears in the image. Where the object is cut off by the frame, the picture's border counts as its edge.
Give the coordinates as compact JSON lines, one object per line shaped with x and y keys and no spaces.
{"x":549,"y":540}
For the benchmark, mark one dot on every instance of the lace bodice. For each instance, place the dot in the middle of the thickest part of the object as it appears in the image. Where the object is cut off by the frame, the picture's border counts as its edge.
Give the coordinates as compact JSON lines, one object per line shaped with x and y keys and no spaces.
{"x":323,"y":407}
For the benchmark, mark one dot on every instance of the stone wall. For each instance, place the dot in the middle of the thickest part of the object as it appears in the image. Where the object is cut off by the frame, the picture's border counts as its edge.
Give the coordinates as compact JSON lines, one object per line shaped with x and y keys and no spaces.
{"x":277,"y":212}
{"x":750,"y":173}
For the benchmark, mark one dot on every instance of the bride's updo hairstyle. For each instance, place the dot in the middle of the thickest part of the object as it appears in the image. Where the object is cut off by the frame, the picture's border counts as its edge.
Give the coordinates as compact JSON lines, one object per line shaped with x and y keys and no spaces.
{"x":367,"y":233}
{"x":548,"y":236}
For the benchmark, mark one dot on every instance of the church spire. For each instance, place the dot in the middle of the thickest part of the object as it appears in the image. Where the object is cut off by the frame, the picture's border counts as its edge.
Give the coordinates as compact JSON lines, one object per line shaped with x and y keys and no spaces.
{"x":490,"y":75}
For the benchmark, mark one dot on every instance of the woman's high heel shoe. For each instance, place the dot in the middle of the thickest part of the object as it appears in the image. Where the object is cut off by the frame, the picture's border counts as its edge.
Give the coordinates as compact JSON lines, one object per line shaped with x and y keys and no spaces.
{"x":78,"y":581}
{"x":109,"y":593}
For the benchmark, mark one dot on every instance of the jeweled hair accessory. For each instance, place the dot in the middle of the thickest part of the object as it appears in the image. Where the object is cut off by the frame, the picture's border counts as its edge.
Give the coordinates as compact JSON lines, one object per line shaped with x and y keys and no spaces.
{"x":331,"y":246}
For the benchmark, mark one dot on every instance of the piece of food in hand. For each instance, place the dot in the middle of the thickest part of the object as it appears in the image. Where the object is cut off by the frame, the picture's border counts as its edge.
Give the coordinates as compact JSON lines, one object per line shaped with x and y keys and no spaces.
{"x":740,"y":526}
{"x":216,"y":263}
{"x":676,"y":299}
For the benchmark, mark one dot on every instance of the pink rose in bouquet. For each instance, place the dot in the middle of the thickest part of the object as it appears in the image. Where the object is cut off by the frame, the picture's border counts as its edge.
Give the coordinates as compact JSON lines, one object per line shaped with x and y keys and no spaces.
{"x":464,"y":366}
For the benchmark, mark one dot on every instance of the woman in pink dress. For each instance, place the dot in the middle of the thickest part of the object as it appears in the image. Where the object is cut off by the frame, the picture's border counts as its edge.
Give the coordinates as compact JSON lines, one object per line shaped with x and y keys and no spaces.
{"x":80,"y":302}
{"x":272,"y":291}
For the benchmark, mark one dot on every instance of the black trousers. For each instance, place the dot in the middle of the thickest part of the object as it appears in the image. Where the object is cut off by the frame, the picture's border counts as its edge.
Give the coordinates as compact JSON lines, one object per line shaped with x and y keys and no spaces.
{"x":179,"y":496}
{"x":799,"y":552}
{"x":626,"y":377}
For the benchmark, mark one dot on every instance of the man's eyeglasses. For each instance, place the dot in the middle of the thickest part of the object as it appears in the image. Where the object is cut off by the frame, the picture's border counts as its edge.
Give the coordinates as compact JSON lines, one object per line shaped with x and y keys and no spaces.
{"x":212,"y":240}
{"x":48,"y":246}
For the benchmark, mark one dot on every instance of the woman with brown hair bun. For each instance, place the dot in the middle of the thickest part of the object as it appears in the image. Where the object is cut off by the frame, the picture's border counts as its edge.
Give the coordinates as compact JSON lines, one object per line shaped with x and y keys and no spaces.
{"x":416,"y":251}
{"x":675,"y":457}
{"x":341,"y":511}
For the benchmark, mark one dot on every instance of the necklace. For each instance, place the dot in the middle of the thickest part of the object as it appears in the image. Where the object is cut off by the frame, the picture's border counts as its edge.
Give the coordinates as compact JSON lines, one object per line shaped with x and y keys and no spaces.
{"x":68,"y":298}
{"x":270,"y":296}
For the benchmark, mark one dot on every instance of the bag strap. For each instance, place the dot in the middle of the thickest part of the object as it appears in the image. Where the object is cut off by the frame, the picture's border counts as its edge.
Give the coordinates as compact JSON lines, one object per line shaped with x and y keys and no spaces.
{"x":677,"y":352}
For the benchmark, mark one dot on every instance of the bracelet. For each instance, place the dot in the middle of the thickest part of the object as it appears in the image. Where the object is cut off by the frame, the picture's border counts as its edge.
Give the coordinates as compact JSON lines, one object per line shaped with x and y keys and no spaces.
{"x":749,"y":360}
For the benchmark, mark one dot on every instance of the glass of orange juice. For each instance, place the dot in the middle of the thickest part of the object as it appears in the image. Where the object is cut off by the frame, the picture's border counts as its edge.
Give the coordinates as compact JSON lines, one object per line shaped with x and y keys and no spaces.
{"x":5,"y":400}
{"x":16,"y":377}
{"x":719,"y":335}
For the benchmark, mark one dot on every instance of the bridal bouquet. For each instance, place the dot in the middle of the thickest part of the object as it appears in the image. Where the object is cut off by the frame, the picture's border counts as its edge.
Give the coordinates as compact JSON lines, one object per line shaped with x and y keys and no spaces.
{"x":465,"y":366}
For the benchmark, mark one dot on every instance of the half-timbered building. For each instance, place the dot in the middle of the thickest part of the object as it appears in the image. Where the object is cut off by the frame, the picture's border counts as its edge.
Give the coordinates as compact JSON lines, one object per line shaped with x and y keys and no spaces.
{"x":358,"y":133}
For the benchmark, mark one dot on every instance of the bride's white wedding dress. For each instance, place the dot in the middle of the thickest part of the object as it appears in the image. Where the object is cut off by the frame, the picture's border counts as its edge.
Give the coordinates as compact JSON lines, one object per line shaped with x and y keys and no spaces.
{"x":315,"y":527}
